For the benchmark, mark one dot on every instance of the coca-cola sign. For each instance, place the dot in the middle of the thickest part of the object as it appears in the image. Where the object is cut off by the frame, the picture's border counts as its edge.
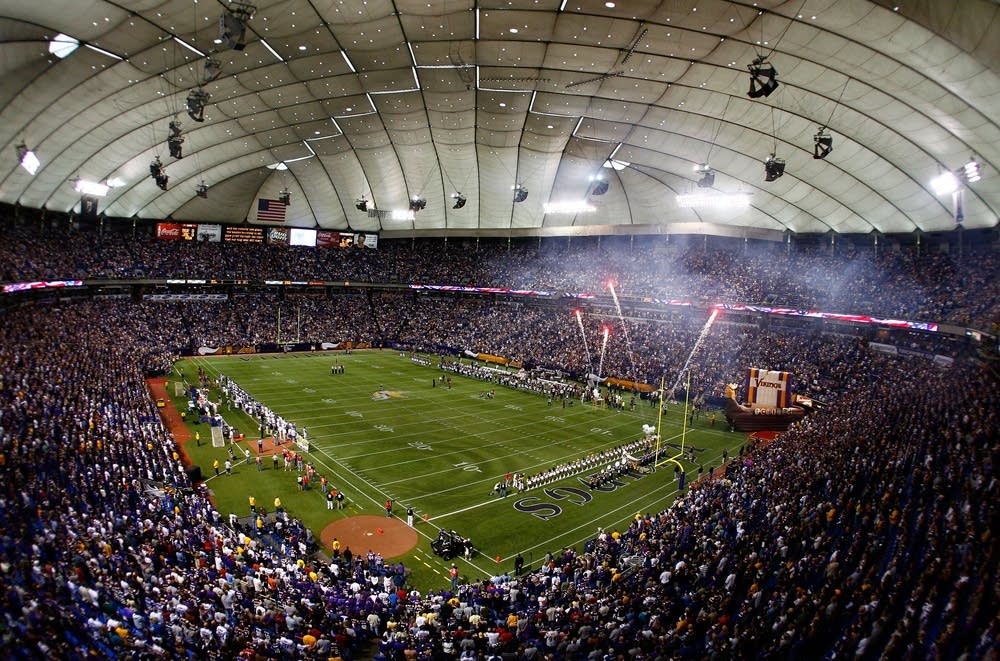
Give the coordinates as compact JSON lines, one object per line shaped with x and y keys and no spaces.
{"x":168,"y":231}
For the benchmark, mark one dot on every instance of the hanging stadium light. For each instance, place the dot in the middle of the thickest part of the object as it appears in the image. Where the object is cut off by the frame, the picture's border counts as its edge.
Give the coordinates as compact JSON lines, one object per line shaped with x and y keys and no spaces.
{"x":945,"y":183}
{"x":175,"y":139}
{"x":774,"y":167}
{"x":213,"y":69}
{"x":823,"y":144}
{"x":85,"y":187}
{"x":284,"y":197}
{"x":197,"y":99}
{"x":972,"y":171}
{"x":201,"y":190}
{"x":459,"y":200}
{"x":417,"y":203}
{"x":707,"y":175}
{"x":233,"y":25}
{"x":763,"y":78}
{"x":27,"y":158}
{"x":157,"y":173}
{"x":601,"y":186}
{"x":361,"y":204}
{"x":520,"y":192}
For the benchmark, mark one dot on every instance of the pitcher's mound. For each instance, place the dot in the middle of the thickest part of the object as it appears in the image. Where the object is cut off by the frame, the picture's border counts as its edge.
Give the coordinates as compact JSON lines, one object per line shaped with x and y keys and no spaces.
{"x":389,"y":536}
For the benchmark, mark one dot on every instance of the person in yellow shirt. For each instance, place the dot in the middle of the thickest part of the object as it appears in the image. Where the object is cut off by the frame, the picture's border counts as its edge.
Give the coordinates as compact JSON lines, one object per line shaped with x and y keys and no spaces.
{"x":253,"y":504}
{"x":215,"y":466}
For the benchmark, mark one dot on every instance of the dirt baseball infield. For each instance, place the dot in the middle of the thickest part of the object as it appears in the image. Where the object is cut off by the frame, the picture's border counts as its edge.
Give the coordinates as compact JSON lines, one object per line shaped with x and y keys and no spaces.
{"x":389,"y":536}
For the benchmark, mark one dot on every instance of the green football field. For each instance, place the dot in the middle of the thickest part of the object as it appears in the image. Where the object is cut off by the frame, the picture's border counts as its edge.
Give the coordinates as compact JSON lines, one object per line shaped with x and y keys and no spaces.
{"x":441,"y":450}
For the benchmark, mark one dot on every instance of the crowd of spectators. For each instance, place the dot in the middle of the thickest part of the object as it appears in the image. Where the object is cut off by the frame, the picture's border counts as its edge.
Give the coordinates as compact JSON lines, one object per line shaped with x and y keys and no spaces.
{"x":532,"y":335}
{"x":867,"y":531}
{"x":908,"y":283}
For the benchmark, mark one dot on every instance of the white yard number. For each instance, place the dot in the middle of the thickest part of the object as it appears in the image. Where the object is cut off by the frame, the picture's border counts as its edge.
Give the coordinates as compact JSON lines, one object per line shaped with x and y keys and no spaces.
{"x":419,"y":445}
{"x":466,"y":466}
{"x":513,"y":407}
{"x":598,"y":430}
{"x":384,"y":428}
{"x":355,"y":414}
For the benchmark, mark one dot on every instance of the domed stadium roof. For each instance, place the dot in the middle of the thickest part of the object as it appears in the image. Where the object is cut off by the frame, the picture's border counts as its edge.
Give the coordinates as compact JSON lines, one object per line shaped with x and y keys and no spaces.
{"x":339,"y":101}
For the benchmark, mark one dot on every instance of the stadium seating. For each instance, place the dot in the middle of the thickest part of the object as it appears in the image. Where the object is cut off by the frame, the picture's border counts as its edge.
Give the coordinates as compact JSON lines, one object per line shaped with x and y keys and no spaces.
{"x":866,"y":532}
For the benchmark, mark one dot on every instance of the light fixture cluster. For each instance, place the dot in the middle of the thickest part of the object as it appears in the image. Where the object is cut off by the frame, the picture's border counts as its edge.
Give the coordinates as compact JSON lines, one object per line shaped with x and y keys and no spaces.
{"x":520,"y":192}
{"x":707,"y":175}
{"x":763,"y":78}
{"x":212,"y":70}
{"x":157,"y":173}
{"x":774,"y":167}
{"x":27,"y":158}
{"x":823,"y":144}
{"x":361,"y":204}
{"x":284,"y":197}
{"x":175,"y":139}
{"x":950,"y":181}
{"x":459,"y":200}
{"x":233,"y":25}
{"x":600,"y":185}
{"x":85,"y":187}
{"x":197,"y":99}
{"x":417,"y":203}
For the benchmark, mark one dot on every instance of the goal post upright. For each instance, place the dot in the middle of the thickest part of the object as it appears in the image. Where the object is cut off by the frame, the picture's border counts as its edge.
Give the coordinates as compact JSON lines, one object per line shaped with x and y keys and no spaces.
{"x":659,"y":435}
{"x":659,"y":425}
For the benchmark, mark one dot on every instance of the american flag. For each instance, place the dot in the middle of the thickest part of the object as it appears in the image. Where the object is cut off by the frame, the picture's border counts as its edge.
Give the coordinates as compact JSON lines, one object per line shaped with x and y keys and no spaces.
{"x":272,"y":210}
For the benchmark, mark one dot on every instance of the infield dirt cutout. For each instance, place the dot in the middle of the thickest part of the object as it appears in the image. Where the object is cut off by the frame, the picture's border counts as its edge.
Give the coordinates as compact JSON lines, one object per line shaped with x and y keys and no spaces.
{"x":389,"y":536}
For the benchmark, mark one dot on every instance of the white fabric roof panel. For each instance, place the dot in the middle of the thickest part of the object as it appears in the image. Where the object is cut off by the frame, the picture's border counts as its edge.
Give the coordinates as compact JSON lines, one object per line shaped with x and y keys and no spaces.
{"x":662,"y":83}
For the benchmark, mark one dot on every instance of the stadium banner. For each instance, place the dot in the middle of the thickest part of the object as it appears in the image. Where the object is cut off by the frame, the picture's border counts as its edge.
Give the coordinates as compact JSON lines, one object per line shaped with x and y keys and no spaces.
{"x":40,"y":284}
{"x":768,"y":388}
{"x":277,"y":236}
{"x":499,"y":360}
{"x":185,"y":297}
{"x":211,"y":233}
{"x":630,"y":385}
{"x":328,"y":239}
{"x":209,"y":351}
{"x":329,"y":345}
{"x":882,"y":348}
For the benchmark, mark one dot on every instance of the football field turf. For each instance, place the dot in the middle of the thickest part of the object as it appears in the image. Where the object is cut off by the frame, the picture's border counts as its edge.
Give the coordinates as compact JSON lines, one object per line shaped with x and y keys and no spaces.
{"x":380,"y":430}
